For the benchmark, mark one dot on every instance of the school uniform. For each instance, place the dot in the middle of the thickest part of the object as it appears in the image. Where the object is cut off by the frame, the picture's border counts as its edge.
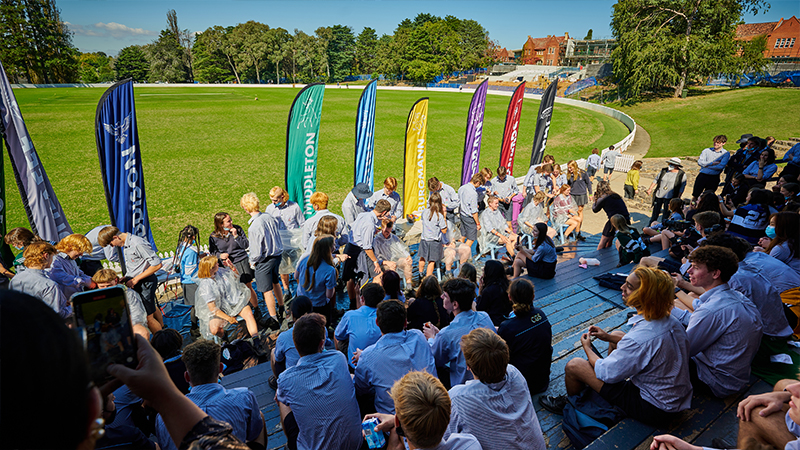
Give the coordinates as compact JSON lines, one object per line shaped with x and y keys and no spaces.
{"x":468,"y":198}
{"x":504,"y":189}
{"x":431,"y":248}
{"x":139,"y":256}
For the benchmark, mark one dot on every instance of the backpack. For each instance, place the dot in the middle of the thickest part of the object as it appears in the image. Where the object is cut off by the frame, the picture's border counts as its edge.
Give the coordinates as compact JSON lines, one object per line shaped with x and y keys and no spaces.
{"x":237,"y":355}
{"x":587,"y":416}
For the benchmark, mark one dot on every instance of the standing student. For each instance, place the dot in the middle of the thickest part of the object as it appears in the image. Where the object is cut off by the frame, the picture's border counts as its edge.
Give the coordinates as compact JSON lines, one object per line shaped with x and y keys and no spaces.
{"x":266,"y":249}
{"x":91,"y":262}
{"x":289,"y":217}
{"x":609,"y":201}
{"x":593,"y":162}
{"x":142,"y":263}
{"x":580,"y":188}
{"x":632,"y":180}
{"x":449,"y":197}
{"x":319,"y":201}
{"x":187,"y":256}
{"x":362,"y":262}
{"x":229,"y":243}
{"x":505,"y":188}
{"x":468,"y":210}
{"x":434,"y":227}
{"x":388,"y":193}
{"x":669,"y":184}
{"x":712,"y":161}
{"x":609,"y":160}
{"x":356,"y":202}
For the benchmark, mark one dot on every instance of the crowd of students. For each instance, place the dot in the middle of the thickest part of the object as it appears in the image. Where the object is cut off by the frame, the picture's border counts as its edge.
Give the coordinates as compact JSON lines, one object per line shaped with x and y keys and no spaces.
{"x":395,"y":353}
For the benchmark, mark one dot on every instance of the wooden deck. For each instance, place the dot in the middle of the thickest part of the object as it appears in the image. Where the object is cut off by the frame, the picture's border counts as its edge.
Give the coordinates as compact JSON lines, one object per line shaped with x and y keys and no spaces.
{"x":573,"y":301}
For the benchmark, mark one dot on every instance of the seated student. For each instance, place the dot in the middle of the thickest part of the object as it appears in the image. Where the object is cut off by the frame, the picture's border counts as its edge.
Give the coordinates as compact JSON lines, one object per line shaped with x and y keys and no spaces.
{"x":454,"y":248}
{"x":64,"y":269}
{"x":316,"y":397}
{"x":750,"y":221}
{"x":541,"y":262}
{"x":789,"y":192}
{"x":316,"y":276}
{"x":705,"y":224}
{"x":168,"y":343}
{"x":564,"y":211}
{"x":357,"y":327}
{"x":434,"y":231}
{"x":104,"y":278}
{"x":446,"y":345}
{"x":646,"y":372}
{"x":392,"y":252}
{"x":782,"y":241}
{"x":220,"y":298}
{"x":391,"y":286}
{"x":759,"y":171}
{"x":761,"y":430}
{"x":492,"y":297}
{"x":423,"y":414}
{"x":396,"y":353}
{"x":528,"y":334}
{"x":630,"y":246}
{"x":142,"y":264}
{"x":427,"y":306}
{"x":708,"y":201}
{"x":498,"y":395}
{"x":19,"y":238}
{"x":285,"y":354}
{"x":237,"y":406}
{"x":534,"y":212}
{"x":356,"y":202}
{"x":725,"y":328}
{"x":676,"y":213}
{"x":34,"y":280}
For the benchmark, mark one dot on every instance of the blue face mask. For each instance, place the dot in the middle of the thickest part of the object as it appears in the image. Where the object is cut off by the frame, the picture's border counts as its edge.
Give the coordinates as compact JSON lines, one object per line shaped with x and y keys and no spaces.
{"x":770,"y":231}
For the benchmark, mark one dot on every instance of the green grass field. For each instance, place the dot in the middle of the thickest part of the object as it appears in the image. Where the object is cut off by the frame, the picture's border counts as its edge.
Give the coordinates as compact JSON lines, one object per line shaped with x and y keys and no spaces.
{"x":203,"y":147}
{"x":683,"y":127}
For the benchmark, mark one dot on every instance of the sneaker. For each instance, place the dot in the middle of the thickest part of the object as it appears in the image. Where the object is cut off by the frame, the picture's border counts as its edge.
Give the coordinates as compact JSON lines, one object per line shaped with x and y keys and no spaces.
{"x":272,"y":323}
{"x":580,"y":237}
{"x":273,"y":382}
{"x":554,"y":404}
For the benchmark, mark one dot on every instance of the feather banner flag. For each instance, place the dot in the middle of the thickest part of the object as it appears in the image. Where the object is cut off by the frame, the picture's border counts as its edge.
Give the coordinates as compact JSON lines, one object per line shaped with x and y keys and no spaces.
{"x":415,"y":188}
{"x":302,"y":143}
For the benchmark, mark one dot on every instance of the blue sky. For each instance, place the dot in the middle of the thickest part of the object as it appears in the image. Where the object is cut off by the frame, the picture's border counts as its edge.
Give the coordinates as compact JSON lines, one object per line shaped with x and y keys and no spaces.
{"x":110,"y":25}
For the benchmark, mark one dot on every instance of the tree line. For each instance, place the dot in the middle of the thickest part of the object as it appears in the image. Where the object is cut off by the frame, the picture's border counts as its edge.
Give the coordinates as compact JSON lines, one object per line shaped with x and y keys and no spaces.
{"x":419,"y":50}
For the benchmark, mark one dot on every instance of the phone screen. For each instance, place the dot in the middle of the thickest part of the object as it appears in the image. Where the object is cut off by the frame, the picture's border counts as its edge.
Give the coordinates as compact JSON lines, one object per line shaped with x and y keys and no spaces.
{"x":103,"y":316}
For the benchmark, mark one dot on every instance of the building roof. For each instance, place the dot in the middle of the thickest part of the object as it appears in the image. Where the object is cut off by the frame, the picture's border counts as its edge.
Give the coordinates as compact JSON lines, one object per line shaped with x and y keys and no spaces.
{"x":748,"y":31}
{"x":539,"y":43}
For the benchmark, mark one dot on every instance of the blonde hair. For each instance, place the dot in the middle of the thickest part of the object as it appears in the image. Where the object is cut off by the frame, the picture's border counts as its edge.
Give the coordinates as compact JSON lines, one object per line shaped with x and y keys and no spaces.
{"x":422,"y":406}
{"x":390,"y":183}
{"x":487,"y":173}
{"x":36,"y":252}
{"x":104,"y":276}
{"x":576,"y":171}
{"x":278,"y":191}
{"x":74,"y":242}
{"x":539,"y":197}
{"x":656,"y":294}
{"x":205,"y":266}
{"x":319,"y":200}
{"x":250,"y":202}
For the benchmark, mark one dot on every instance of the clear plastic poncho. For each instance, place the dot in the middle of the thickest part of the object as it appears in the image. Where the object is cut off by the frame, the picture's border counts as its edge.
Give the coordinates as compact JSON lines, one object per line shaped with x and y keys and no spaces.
{"x":559,"y":210}
{"x":491,"y":220}
{"x":227,"y":293}
{"x":532,"y":214}
{"x":292,"y":241}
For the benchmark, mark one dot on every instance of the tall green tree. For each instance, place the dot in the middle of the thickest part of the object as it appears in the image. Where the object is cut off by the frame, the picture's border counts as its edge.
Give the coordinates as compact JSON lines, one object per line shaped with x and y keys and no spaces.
{"x":588,"y":35}
{"x":35,"y":43}
{"x":95,"y":68}
{"x":251,"y":39}
{"x":184,"y":40}
{"x":167,"y":55}
{"x":211,"y":64}
{"x":668,"y":43}
{"x":366,"y":51}
{"x":277,"y":49}
{"x":341,"y":51}
{"x":131,"y":63}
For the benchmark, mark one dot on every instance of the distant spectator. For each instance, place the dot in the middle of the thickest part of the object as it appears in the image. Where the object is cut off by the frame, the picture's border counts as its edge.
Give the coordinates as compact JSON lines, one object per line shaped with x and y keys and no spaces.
{"x":632,"y":180}
{"x":92,"y":262}
{"x":504,"y":186}
{"x":760,"y":170}
{"x":609,"y":160}
{"x":580,"y":184}
{"x":593,"y":162}
{"x":229,"y":243}
{"x":529,"y":336}
{"x":392,"y":252}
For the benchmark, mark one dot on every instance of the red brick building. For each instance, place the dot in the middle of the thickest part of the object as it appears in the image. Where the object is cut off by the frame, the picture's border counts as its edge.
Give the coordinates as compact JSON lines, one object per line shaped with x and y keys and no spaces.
{"x":783,"y":38}
{"x":502,"y":55}
{"x":547,"y":51}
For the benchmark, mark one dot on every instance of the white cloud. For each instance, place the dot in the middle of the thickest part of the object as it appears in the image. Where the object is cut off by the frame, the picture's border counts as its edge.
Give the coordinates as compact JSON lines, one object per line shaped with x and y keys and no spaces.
{"x":111,"y":29}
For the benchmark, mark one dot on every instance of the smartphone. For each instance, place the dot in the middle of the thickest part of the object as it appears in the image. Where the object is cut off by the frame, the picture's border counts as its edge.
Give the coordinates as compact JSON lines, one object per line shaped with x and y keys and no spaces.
{"x":104,"y":320}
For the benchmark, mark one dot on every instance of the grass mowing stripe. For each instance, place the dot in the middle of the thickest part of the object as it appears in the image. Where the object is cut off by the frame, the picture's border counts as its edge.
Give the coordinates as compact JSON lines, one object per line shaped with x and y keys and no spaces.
{"x":201,"y":153}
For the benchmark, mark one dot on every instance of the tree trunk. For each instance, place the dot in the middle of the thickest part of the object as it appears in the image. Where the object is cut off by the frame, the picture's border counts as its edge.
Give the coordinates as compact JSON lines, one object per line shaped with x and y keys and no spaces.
{"x":233,"y":67}
{"x":258,"y":75}
{"x":684,"y":50}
